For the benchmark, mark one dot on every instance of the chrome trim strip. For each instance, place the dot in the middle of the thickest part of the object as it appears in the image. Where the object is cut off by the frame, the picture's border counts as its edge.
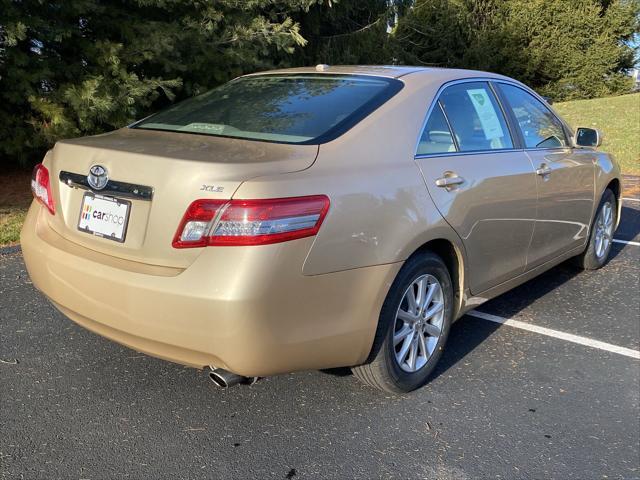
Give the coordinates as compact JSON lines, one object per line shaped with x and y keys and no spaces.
{"x":113,"y":188}
{"x":472,"y":152}
{"x":484,"y":152}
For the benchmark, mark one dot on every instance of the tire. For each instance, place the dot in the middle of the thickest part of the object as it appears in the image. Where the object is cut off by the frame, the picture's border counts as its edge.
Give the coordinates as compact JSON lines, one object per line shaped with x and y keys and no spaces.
{"x":596,"y":254}
{"x":383,"y":369}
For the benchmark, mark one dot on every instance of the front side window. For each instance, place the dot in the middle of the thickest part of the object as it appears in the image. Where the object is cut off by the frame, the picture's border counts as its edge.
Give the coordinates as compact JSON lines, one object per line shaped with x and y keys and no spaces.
{"x":475,"y":117}
{"x":279,"y":108}
{"x":539,"y":127}
{"x":436,"y":137}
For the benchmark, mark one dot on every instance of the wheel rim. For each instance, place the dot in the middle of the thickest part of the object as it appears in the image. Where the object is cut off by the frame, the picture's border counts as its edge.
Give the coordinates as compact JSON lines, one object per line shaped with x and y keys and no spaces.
{"x":418,"y":323}
{"x":604,"y":230}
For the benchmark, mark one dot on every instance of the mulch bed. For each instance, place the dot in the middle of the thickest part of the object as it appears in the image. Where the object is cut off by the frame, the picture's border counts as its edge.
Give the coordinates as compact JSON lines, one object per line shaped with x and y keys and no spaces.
{"x":15,"y":189}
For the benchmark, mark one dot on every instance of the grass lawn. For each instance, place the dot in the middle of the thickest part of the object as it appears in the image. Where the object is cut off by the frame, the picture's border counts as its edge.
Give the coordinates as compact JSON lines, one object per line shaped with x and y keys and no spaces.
{"x":618,"y":118}
{"x":10,"y":223}
{"x":15,"y":197}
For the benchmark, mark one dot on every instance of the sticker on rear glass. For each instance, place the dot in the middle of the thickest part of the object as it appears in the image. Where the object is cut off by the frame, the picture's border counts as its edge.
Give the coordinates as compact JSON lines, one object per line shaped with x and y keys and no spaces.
{"x":486,"y":113}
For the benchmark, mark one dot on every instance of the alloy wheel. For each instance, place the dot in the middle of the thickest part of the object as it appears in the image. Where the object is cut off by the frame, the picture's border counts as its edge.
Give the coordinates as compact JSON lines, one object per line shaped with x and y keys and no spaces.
{"x":418,"y":324}
{"x":604,"y":230}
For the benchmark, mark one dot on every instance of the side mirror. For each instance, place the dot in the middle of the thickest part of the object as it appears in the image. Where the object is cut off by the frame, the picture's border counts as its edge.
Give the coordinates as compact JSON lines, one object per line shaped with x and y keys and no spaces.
{"x":588,"y":137}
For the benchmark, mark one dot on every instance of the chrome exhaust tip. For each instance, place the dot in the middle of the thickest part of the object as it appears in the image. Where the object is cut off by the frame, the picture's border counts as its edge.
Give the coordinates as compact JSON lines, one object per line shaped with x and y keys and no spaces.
{"x":225,"y":379}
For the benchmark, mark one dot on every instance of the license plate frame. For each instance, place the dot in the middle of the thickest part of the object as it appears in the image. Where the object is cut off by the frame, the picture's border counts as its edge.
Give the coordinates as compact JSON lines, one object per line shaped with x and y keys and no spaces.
{"x":86,"y":225}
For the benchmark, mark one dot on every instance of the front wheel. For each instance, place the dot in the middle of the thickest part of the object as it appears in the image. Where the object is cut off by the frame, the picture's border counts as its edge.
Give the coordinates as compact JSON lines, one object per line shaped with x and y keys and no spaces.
{"x":601,"y":235}
{"x":413,"y":327}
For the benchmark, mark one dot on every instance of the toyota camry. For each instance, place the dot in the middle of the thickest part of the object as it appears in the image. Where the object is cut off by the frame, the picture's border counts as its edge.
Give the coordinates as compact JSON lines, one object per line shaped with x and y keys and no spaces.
{"x":320,"y":217}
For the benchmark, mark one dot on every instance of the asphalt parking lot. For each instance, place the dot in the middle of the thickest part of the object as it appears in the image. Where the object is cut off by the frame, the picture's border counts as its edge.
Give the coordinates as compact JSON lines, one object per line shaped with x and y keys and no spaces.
{"x":504,"y":403}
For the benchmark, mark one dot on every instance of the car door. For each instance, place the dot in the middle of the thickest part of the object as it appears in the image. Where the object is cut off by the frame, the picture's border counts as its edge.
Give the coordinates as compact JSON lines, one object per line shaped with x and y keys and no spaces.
{"x":565,"y":176}
{"x":483,"y":186}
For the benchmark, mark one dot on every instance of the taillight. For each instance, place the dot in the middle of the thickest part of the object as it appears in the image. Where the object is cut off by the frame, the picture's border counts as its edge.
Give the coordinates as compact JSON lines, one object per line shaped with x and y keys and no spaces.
{"x":197,"y":221}
{"x":41,"y":187}
{"x":250,"y":222}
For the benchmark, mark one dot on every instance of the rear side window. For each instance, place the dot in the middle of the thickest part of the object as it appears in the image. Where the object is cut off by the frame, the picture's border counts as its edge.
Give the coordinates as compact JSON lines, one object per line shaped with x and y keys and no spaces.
{"x":475,"y":117}
{"x":539,"y":127}
{"x":436,"y":137}
{"x":279,"y":108}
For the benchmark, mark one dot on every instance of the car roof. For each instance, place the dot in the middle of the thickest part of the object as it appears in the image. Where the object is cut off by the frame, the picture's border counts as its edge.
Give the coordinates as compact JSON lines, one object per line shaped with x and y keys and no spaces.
{"x":389,"y":71}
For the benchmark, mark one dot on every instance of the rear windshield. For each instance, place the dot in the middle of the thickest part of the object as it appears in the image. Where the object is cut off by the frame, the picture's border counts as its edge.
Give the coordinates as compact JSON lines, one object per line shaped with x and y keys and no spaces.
{"x":278,"y":108}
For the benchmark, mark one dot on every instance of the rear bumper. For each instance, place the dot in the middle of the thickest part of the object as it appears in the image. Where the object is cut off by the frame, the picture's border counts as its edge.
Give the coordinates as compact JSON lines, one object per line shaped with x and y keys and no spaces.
{"x":246,"y":309}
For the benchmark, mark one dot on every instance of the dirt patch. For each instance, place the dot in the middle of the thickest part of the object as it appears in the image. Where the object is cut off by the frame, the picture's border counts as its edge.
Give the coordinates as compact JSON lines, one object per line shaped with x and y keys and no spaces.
{"x":631,"y":186}
{"x":15,"y":189}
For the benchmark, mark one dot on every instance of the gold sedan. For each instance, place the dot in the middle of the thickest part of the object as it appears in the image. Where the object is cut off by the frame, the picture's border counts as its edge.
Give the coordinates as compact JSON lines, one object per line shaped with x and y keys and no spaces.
{"x":317,"y":217}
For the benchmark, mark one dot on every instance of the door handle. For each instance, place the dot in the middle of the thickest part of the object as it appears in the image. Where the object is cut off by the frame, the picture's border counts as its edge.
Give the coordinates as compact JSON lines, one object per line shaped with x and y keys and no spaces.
{"x":449,"y":181}
{"x":543,"y":170}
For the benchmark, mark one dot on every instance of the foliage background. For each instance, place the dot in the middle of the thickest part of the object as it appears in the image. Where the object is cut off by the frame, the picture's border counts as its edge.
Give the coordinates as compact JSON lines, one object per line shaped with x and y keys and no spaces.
{"x":80,"y":67}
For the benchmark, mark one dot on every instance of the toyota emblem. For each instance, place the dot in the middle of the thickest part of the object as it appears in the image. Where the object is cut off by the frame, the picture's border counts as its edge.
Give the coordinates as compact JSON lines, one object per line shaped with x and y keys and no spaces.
{"x":98,"y":177}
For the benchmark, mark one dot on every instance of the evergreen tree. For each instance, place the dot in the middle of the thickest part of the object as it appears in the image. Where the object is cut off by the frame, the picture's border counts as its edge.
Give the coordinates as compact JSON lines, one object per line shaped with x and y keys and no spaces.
{"x":85,"y":66}
{"x":348,"y":32}
{"x":578,"y":48}
{"x":564,"y":48}
{"x":432,"y":33}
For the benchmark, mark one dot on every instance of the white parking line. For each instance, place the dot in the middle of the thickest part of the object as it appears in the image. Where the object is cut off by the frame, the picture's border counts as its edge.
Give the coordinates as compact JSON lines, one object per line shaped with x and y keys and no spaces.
{"x":626,"y":242}
{"x":629,"y":199}
{"x":569,"y":337}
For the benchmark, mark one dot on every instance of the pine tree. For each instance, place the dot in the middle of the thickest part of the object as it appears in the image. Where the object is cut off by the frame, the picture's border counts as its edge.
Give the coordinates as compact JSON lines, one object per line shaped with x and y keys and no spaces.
{"x":576,"y":49}
{"x":432,"y":33}
{"x":564,"y":48}
{"x":348,"y":32}
{"x":86,"y":66}
{"x":80,"y":67}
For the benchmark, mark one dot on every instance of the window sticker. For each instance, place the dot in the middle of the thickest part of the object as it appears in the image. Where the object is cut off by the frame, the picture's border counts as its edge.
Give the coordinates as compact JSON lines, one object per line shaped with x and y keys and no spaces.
{"x":486,"y":113}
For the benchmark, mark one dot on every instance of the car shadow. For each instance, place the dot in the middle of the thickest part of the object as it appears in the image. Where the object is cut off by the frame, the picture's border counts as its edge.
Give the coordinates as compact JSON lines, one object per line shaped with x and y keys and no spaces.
{"x":466,"y":334}
{"x":629,"y":227}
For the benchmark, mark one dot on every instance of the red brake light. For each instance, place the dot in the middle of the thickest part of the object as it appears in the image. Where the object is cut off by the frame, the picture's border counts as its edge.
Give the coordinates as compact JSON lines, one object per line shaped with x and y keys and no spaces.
{"x":250,"y":222}
{"x":41,"y":187}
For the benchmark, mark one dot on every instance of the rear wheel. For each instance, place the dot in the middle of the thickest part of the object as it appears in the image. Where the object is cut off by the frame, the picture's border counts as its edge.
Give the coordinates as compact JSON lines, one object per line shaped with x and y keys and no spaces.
{"x":601,"y":235}
{"x":413,"y":327}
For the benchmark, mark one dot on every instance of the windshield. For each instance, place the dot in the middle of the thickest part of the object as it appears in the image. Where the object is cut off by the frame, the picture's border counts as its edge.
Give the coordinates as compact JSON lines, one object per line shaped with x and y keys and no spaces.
{"x":278,"y":108}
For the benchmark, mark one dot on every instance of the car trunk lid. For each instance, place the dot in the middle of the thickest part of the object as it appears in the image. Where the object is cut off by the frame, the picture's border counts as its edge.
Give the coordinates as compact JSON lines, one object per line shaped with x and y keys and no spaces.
{"x":160,"y":174}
